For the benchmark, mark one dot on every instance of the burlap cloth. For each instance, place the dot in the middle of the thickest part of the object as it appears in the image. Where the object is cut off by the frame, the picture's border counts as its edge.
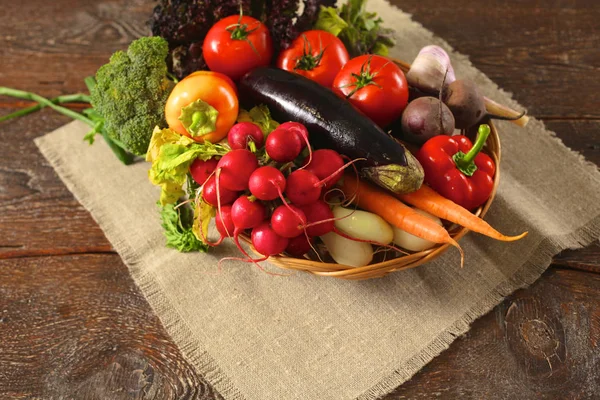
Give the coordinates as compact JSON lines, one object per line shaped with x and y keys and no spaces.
{"x":255,"y":336}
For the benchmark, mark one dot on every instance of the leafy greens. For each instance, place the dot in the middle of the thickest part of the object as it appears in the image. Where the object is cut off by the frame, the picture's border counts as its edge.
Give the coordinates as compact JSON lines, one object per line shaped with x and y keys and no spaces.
{"x":359,"y":30}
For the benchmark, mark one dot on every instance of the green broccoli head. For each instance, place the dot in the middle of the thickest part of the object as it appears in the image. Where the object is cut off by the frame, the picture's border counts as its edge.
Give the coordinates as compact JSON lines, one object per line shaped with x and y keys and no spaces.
{"x":131,"y":92}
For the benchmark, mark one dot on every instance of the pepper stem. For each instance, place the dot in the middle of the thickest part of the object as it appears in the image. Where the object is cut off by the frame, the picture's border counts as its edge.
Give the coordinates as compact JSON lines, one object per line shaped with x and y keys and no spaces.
{"x":198,"y":119}
{"x":465,"y":162}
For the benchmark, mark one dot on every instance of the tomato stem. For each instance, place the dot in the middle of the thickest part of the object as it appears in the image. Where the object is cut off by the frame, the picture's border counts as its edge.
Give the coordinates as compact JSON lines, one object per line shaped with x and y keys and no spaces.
{"x":364,"y":78}
{"x":240,"y":31}
{"x":308,"y":61}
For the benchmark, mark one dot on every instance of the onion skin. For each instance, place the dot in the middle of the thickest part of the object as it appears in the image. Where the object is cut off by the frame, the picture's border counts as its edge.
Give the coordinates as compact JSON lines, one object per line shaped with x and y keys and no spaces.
{"x":363,"y":225}
{"x":348,"y":252}
{"x":428,"y":69}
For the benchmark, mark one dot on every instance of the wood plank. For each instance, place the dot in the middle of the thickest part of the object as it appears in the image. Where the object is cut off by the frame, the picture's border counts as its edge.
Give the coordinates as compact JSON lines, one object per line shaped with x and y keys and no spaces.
{"x":51,"y":56}
{"x":580,"y":135}
{"x":540,"y":50}
{"x":540,"y":343}
{"x":38,"y":214}
{"x":552,"y":50}
{"x":78,"y":327}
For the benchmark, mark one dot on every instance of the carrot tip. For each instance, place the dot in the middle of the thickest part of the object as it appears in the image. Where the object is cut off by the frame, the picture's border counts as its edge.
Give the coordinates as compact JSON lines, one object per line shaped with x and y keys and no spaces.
{"x":462,"y":253}
{"x":514,"y":238}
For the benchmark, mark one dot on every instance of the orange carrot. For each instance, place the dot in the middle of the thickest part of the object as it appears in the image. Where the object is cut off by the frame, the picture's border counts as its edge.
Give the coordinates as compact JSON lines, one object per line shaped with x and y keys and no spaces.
{"x":376,"y":200}
{"x":429,"y":200}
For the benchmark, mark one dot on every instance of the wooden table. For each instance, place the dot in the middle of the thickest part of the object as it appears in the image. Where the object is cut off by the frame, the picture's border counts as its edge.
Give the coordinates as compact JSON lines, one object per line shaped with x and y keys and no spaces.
{"x":74,"y":325}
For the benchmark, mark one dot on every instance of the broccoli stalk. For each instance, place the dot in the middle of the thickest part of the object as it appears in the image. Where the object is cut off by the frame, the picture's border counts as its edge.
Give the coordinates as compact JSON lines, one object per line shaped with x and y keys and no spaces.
{"x":67,"y":98}
{"x":121,"y":154}
{"x":128,"y":96}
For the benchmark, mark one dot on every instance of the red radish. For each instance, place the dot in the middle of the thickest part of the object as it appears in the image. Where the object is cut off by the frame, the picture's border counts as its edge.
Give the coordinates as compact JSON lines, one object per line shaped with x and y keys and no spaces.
{"x":224,"y":223}
{"x":209,"y":193}
{"x":246,"y":213}
{"x":288,"y":221}
{"x":266,"y":241}
{"x":202,"y":170}
{"x":326,"y":163}
{"x":283,"y":145}
{"x":266,"y":183}
{"x":298,"y":246}
{"x":299,"y":129}
{"x":303,"y":187}
{"x":315,"y":213}
{"x":241,"y":134}
{"x":234,"y":169}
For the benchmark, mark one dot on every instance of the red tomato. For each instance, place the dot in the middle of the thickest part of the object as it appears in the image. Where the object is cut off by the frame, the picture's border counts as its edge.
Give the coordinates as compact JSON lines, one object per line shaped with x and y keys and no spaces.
{"x":375,"y":85}
{"x":318,"y":55}
{"x":236,"y":45}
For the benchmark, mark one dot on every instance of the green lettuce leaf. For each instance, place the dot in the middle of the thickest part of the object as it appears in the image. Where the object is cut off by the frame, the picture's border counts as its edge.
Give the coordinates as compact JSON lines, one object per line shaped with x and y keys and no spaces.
{"x":203,"y":213}
{"x":360,"y":31}
{"x":261,"y":116}
{"x":330,"y":21}
{"x":178,"y":229}
{"x":171,"y":156}
{"x":162,"y":136}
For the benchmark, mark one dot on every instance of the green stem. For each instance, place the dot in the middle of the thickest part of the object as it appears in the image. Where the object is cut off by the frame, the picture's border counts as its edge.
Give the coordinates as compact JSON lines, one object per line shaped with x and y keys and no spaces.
{"x":365,"y":78}
{"x":172,"y":77}
{"x":286,"y":166}
{"x":69,"y":98}
{"x":465,"y":162}
{"x":198,"y":119}
{"x":308,"y":61}
{"x":482,"y":135}
{"x":20,"y":94}
{"x":117,"y":147}
{"x":90,"y":83}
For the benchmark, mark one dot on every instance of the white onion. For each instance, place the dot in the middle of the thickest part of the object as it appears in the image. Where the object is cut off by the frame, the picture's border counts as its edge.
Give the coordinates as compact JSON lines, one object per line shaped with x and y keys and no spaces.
{"x":348,"y":252}
{"x":363,"y":225}
{"x":427,"y":70}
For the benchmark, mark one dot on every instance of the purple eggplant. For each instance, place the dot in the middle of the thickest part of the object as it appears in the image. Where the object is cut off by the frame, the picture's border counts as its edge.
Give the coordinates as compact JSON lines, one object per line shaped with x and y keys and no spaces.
{"x":333,"y":123}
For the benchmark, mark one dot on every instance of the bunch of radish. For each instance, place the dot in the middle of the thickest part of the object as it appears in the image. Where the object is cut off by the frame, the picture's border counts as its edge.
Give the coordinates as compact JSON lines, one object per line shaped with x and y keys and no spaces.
{"x":270,"y":189}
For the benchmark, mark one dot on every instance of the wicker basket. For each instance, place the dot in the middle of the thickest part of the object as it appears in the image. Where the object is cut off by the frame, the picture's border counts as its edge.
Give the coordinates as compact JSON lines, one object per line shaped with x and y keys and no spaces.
{"x":399,"y":263}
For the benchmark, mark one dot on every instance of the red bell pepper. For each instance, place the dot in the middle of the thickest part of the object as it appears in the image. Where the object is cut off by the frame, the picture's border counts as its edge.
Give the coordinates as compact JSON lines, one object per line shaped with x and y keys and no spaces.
{"x":456,"y":169}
